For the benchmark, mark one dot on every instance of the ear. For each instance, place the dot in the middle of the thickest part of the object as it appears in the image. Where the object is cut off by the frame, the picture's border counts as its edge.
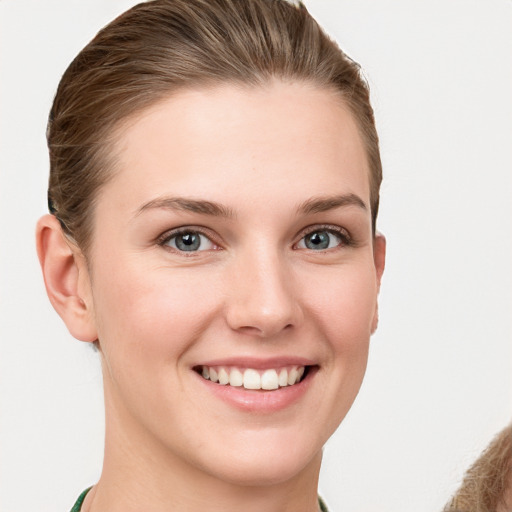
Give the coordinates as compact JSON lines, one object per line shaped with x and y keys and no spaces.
{"x":66,"y":278}
{"x":379,"y":259}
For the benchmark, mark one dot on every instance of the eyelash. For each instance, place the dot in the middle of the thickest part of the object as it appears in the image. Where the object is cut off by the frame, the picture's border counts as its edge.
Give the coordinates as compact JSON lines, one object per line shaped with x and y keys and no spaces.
{"x":345,"y":239}
{"x":166,"y":237}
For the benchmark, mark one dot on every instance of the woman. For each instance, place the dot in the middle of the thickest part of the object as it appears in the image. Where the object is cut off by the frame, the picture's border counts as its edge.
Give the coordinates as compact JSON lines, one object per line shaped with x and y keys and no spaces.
{"x":213,"y":192}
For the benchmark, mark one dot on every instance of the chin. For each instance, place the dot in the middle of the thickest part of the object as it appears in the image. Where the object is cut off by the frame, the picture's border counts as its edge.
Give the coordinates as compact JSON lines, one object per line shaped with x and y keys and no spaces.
{"x":264,"y":474}
{"x":266,"y":464}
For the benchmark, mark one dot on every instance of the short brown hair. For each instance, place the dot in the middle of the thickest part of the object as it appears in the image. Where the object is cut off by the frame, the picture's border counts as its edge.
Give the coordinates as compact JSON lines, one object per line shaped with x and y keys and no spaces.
{"x":161,"y":46}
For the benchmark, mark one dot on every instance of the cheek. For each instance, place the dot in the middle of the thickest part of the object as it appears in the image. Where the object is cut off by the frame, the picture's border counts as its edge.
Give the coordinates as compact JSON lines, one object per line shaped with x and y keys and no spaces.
{"x":149,"y":321}
{"x":153,"y":314}
{"x":345,"y":304}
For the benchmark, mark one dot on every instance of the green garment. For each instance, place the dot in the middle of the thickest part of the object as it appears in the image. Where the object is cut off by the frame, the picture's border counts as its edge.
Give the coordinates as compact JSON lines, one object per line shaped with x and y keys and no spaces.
{"x":323,"y":506}
{"x":78,"y":505}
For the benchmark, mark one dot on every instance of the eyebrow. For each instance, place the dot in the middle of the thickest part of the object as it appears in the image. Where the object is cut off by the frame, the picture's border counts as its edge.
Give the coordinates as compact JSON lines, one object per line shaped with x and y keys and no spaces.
{"x":323,"y":204}
{"x":314,"y":205}
{"x":188,"y":205}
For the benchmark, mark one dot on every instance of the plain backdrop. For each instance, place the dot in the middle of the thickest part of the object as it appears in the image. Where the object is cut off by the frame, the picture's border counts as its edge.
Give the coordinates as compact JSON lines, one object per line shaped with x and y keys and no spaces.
{"x":439,"y":380}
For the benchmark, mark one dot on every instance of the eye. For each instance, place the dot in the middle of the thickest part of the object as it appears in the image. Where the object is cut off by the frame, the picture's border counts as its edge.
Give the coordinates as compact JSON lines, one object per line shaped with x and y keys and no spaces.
{"x":188,"y":241}
{"x":322,"y":239}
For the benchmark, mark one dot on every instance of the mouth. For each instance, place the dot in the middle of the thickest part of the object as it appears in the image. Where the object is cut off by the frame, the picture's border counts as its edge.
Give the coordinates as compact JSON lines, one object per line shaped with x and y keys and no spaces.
{"x":269,"y":379}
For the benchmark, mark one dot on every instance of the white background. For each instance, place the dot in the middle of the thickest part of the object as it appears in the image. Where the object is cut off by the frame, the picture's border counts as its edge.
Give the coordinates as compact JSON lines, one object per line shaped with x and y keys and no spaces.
{"x":439,"y":381}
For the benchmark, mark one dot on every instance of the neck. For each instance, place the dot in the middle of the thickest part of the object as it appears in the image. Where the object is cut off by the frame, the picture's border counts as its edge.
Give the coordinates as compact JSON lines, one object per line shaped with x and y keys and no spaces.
{"x":139,"y":473}
{"x":133,"y":484}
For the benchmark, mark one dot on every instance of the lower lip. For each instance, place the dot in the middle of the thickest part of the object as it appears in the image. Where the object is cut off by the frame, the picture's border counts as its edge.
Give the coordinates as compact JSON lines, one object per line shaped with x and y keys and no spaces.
{"x":261,"y":401}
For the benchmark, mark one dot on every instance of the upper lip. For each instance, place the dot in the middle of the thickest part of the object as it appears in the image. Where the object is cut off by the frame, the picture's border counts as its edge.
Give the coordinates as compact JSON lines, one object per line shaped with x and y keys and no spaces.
{"x":259,"y":363}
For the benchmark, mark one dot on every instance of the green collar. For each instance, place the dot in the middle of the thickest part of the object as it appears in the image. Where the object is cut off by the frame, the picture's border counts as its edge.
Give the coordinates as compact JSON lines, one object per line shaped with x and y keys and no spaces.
{"x":78,"y":505}
{"x":323,"y":506}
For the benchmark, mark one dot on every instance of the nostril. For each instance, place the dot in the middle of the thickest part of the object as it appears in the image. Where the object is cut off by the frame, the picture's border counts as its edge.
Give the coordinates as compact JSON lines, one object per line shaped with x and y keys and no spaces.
{"x":250,"y":330}
{"x":264,"y":332}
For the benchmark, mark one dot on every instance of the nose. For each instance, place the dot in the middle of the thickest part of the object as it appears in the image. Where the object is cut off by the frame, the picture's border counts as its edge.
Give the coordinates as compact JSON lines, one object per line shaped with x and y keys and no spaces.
{"x":261,"y":298}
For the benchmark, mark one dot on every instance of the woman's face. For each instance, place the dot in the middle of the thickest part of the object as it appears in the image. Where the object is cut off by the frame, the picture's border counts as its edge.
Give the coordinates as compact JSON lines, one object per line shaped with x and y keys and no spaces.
{"x":235,"y":244}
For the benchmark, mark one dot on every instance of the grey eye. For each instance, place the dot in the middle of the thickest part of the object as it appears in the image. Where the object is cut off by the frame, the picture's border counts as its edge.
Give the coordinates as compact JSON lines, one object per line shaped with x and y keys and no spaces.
{"x":320,"y":240}
{"x":190,"y":241}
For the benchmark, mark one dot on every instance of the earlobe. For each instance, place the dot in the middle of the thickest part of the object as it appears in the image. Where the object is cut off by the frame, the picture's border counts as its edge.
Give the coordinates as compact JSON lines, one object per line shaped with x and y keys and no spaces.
{"x":379,"y":259}
{"x":379,"y":255}
{"x":66,"y":279}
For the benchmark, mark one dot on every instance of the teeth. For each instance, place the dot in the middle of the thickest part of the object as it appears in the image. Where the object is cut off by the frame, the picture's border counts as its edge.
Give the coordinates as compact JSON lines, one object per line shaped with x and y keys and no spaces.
{"x":253,"y":379}
{"x":283,"y":378}
{"x":269,"y":380}
{"x":223,"y":377}
{"x":292,"y":376}
{"x":236,"y":378}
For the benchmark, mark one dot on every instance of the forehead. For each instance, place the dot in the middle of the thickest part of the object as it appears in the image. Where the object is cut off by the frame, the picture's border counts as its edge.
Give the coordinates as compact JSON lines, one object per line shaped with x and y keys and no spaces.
{"x":227,"y":140}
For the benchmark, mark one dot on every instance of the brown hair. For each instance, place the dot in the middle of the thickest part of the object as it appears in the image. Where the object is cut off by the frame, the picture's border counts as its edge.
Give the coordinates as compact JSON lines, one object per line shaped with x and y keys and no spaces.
{"x":487,"y":483}
{"x":161,"y":46}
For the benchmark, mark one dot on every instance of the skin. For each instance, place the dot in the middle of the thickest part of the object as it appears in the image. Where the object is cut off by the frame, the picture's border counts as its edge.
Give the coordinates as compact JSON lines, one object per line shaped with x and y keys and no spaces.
{"x":254,"y":291}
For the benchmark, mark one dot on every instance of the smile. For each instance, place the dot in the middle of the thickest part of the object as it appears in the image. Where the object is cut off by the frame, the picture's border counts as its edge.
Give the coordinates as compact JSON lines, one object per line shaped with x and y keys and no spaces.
{"x":250,"y":378}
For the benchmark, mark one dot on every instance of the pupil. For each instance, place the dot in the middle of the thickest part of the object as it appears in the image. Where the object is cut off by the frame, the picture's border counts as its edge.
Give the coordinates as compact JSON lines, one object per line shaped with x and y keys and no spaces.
{"x":317,"y":240}
{"x":188,"y":242}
